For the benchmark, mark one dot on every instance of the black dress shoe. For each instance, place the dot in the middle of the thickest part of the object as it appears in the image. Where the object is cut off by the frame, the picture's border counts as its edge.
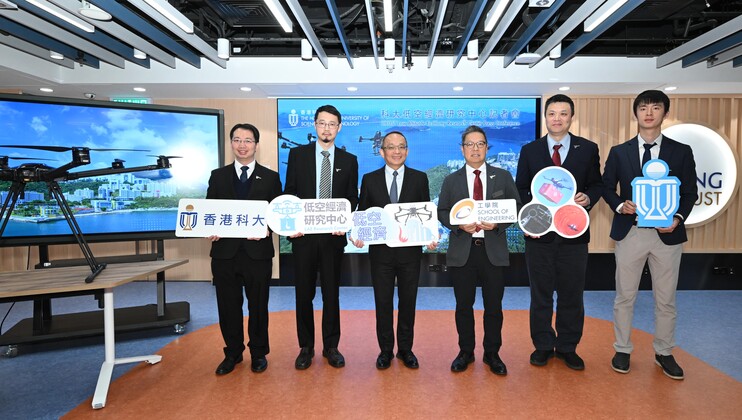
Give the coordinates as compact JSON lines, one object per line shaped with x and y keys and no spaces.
{"x":384,"y":360}
{"x":259,"y":364}
{"x":541,"y":357}
{"x":334,"y":358}
{"x":227,"y":365}
{"x":621,"y":362}
{"x":572,"y":360}
{"x":669,"y":366}
{"x":461,"y":362}
{"x":304,"y":359}
{"x":408,"y":359}
{"x":496,"y":364}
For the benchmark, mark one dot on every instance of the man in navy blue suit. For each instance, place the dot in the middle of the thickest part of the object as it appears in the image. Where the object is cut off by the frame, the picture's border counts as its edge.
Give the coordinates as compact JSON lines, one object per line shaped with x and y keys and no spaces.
{"x":661,"y":248}
{"x":395,"y":182}
{"x":320,"y":252}
{"x":557,"y":264}
{"x":243,"y":263}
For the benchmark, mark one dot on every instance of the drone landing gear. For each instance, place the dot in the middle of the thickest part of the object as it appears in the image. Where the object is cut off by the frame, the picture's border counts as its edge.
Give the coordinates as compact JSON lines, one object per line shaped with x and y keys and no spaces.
{"x":16,"y":190}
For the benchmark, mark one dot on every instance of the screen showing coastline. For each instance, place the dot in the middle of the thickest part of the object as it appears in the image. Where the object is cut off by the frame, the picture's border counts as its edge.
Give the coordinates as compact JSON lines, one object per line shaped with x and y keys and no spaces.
{"x":433,"y":128}
{"x":124,"y":206}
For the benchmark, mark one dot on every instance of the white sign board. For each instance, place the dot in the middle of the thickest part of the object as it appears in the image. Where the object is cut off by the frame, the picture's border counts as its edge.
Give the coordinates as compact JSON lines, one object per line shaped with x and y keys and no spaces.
{"x":468,"y":211}
{"x":288,"y":215}
{"x":200,"y":218}
{"x":397,"y":225}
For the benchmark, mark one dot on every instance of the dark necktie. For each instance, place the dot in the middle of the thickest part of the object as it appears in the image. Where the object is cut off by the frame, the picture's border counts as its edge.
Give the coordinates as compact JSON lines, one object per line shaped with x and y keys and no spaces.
{"x":243,"y":176}
{"x":325,"y":184}
{"x":393,"y":197}
{"x":478,"y":194}
{"x":555,"y":156}
{"x":647,"y":153}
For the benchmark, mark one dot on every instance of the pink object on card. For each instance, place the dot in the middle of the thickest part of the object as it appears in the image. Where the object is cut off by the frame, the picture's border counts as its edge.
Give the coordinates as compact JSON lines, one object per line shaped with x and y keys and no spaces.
{"x":550,"y":192}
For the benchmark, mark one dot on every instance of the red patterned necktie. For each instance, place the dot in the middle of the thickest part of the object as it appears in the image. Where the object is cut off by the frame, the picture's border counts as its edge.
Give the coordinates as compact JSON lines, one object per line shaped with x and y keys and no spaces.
{"x":555,"y":156}
{"x":478,"y":194}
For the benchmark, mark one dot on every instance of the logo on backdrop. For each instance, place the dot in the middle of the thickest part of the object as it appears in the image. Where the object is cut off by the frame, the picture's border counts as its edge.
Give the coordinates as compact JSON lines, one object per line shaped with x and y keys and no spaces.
{"x":716,"y":170}
{"x":657,"y":196}
{"x":293,"y":118}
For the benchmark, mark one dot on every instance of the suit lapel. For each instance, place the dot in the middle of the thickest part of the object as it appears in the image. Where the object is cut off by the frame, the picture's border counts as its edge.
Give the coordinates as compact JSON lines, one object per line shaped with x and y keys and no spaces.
{"x":632,"y":156}
{"x":491,"y":179}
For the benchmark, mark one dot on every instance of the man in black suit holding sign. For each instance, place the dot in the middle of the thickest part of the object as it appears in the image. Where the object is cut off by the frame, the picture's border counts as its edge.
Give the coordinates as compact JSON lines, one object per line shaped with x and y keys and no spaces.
{"x":243,"y":263}
{"x":557,"y":264}
{"x":320,"y":170}
{"x":394,"y":183}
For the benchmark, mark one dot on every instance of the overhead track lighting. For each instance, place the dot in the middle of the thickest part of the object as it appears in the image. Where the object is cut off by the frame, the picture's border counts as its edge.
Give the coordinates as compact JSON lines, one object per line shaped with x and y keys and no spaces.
{"x":172,"y":14}
{"x":388,"y":16}
{"x":55,"y":55}
{"x":280,"y":15}
{"x":94,"y":12}
{"x":139,"y":54}
{"x":494,"y":15}
{"x":602,"y":14}
{"x":62,"y":14}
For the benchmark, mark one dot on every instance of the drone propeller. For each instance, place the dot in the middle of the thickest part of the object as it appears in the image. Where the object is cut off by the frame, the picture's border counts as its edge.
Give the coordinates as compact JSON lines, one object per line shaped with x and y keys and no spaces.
{"x":167,"y":157}
{"x":66,"y":149}
{"x":25,"y":158}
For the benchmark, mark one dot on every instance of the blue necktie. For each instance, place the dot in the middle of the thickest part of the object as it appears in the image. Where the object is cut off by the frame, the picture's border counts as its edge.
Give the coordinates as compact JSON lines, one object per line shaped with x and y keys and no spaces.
{"x":393,"y":197}
{"x":243,"y":176}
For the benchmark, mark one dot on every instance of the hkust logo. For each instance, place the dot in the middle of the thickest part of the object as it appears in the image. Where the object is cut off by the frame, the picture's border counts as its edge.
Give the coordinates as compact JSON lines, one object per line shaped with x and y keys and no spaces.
{"x":189,"y":218}
{"x":293,"y":118}
{"x":656,"y":195}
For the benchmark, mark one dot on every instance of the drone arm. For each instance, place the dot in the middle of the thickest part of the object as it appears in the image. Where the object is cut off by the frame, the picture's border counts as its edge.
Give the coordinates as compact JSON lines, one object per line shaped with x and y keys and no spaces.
{"x":110,"y":171}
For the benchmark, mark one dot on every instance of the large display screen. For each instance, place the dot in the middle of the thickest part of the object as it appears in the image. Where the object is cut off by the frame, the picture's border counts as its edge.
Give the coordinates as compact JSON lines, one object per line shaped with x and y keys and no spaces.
{"x":432,"y":126}
{"x":124,"y":206}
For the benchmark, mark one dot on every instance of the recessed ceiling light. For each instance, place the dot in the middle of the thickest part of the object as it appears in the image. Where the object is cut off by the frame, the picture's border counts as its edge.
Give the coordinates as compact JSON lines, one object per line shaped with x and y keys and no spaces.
{"x":564,"y":88}
{"x":55,"y":55}
{"x":47,"y":90}
{"x":669,"y":88}
{"x":352,"y":88}
{"x":140,"y":89}
{"x":246,"y":89}
{"x":458,"y":88}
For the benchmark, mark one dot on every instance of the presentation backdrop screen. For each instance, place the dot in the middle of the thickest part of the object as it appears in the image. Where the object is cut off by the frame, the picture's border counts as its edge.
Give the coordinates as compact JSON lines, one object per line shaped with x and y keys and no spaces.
{"x":433,"y":128}
{"x":126,"y":206}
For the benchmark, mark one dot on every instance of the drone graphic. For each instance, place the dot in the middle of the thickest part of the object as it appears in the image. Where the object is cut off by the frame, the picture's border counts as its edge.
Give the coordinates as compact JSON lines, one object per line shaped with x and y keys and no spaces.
{"x":288,"y":143}
{"x":413,"y":211}
{"x":39,"y":172}
{"x":558,"y":183}
{"x":376,"y":142}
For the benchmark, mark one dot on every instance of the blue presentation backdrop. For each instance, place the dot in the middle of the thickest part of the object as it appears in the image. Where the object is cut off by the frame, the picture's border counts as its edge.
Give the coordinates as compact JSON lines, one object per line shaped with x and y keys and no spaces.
{"x":432,"y":126}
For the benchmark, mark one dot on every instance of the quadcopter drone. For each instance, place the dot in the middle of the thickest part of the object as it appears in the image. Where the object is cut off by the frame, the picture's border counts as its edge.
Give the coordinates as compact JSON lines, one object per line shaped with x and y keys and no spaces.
{"x":376,"y":141}
{"x":413,"y":211}
{"x":288,"y":143}
{"x":558,"y":183}
{"x":39,"y":172}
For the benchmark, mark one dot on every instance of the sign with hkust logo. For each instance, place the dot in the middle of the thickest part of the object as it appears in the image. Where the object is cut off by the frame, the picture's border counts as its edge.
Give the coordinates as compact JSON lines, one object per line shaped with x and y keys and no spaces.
{"x":468,"y":211}
{"x":200,"y":218}
{"x":657,"y":195}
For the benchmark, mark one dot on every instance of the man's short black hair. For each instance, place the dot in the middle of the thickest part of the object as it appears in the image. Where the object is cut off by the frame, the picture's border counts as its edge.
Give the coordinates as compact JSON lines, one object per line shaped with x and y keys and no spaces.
{"x":330,"y":110}
{"x":560,"y":98}
{"x":473,"y":129}
{"x":652,"y":97}
{"x":393,"y":132}
{"x":246,"y":126}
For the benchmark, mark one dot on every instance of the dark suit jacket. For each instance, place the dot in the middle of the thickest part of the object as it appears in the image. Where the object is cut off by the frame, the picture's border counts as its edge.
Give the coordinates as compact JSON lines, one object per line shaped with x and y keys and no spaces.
{"x":582,"y":161}
{"x":374,"y":194}
{"x":264,"y":185}
{"x":500,"y":186}
{"x":301,"y":178}
{"x":623,"y":165}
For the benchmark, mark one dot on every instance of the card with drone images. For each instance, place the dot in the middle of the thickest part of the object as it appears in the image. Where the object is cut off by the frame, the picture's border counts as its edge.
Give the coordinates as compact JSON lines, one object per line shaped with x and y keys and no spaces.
{"x":397,"y":225}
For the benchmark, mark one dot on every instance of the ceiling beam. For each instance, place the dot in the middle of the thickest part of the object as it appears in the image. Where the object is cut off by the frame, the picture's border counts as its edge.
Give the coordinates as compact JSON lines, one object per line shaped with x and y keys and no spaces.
{"x":697,"y":43}
{"x":568,"y":26}
{"x":541,"y":19}
{"x":335,"y":15}
{"x":437,"y":30}
{"x":35,"y":50}
{"x":588,"y":37}
{"x":308,"y":31}
{"x":712,"y":50}
{"x":499,"y":30}
{"x":372,"y":30}
{"x":473,"y":19}
{"x":725,"y":56}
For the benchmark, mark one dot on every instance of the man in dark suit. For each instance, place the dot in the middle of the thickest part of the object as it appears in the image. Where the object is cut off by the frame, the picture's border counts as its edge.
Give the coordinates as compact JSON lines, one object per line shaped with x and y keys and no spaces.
{"x":394,"y":183}
{"x":323,"y":252}
{"x":557,"y":264}
{"x":661,"y":247}
{"x":239,"y":263}
{"x":477,"y":251}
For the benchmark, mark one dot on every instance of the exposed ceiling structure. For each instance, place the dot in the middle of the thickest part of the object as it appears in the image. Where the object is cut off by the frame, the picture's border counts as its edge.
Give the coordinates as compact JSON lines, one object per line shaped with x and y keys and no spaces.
{"x":65,"y":45}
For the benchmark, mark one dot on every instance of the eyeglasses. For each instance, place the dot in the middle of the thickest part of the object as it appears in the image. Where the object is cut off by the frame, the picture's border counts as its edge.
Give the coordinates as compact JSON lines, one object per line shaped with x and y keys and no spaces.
{"x":479,"y":144}
{"x":395,"y":148}
{"x":238,"y":140}
{"x":331,"y":125}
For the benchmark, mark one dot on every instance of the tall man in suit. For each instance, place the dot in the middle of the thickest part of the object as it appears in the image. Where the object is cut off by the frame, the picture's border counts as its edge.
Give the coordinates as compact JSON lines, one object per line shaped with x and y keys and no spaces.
{"x":477,"y":251}
{"x":661,"y":247}
{"x":394,"y":183}
{"x":556,"y":264}
{"x":323,"y":252}
{"x":243,"y":263}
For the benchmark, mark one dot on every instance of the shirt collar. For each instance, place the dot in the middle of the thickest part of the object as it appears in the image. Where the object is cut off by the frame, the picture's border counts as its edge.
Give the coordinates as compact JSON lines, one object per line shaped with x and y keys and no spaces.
{"x":565,"y":142}
{"x":642,"y":141}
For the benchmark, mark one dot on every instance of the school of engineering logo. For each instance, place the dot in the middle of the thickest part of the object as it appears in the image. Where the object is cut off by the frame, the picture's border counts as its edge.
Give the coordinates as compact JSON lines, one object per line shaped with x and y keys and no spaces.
{"x":656,"y":195}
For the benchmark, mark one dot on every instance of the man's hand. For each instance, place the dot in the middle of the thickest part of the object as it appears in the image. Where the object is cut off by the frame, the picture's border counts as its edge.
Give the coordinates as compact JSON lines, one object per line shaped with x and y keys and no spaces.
{"x":213,"y":238}
{"x":629,"y":207}
{"x":669,"y":229}
{"x":582,"y":199}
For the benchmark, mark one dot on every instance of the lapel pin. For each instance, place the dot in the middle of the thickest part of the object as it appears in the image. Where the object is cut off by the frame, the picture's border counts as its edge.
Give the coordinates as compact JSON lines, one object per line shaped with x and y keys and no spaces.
{"x":492,"y":176}
{"x":257,"y":177}
{"x":337,"y":170}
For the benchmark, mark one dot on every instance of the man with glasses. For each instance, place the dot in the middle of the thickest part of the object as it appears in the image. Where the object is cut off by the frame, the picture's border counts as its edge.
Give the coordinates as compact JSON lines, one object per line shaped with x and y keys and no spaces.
{"x":320,"y":170}
{"x":394,"y":183}
{"x":557,"y":264}
{"x":243,"y":263}
{"x":477,"y":251}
